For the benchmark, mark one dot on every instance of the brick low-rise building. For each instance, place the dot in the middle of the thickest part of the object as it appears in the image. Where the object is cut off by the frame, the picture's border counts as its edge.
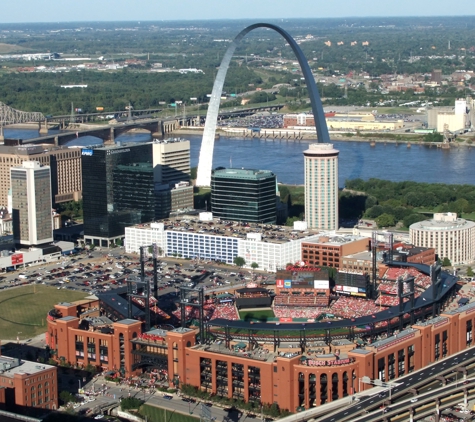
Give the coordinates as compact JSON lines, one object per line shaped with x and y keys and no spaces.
{"x":328,"y":250}
{"x":28,"y":384}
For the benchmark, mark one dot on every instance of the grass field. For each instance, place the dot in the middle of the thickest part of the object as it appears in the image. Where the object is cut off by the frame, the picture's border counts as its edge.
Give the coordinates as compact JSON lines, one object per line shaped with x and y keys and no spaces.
{"x":157,"y":414}
{"x":23,"y":310}
{"x":10,"y":48}
{"x":260,"y":315}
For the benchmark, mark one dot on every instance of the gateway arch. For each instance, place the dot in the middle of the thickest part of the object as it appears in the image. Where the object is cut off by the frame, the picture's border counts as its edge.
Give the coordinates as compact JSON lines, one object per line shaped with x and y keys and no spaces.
{"x":207,"y":145}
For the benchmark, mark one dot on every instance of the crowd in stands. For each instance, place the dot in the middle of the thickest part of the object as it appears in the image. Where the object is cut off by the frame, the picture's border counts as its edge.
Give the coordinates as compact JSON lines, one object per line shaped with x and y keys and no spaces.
{"x":300,"y":312}
{"x":150,"y":337}
{"x":153,"y":306}
{"x":225,"y":310}
{"x":254,"y":294}
{"x":420,"y":280}
{"x":353,"y":307}
{"x":387,"y":300}
{"x":211,"y":311}
{"x":298,"y":300}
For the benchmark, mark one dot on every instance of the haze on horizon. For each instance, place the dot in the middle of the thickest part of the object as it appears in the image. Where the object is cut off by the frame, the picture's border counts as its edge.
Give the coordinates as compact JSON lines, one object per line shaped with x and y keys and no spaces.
{"x":154,"y":10}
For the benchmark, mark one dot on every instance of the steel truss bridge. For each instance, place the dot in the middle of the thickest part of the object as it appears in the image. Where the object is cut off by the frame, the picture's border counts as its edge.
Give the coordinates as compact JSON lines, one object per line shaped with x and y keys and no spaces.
{"x":9,"y":116}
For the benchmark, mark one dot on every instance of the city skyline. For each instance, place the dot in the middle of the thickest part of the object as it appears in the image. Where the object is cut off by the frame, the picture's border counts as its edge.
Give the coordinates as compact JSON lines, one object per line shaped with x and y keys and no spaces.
{"x":29,"y":11}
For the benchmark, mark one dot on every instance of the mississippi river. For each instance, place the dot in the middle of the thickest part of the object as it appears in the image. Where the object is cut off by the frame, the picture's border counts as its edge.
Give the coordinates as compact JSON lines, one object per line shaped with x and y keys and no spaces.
{"x":357,"y":159}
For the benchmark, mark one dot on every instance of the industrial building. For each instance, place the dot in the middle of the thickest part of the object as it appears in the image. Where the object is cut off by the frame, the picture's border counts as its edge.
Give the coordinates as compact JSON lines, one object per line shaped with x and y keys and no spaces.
{"x":321,"y":186}
{"x":244,"y":195}
{"x":452,"y":120}
{"x":350,"y":121}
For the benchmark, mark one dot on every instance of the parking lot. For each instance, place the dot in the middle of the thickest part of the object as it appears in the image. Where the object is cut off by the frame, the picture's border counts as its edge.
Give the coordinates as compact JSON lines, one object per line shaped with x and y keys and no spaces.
{"x":99,"y":272}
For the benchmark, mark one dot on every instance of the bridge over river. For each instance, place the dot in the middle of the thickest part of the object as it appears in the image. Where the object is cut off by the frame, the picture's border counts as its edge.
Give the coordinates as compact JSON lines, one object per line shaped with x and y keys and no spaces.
{"x":158,"y":128}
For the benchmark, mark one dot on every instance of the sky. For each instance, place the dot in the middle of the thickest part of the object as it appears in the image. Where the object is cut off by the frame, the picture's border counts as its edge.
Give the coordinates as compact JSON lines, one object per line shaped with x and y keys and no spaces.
{"x":14,"y":11}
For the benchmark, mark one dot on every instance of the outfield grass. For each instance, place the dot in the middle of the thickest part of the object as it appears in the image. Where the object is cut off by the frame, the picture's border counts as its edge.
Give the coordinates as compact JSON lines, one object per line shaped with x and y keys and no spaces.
{"x":23,"y":310}
{"x":260,"y":315}
{"x":157,"y":414}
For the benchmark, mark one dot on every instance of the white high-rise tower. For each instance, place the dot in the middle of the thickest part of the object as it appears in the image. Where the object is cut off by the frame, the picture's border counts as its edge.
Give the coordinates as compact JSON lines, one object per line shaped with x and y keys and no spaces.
{"x":31,"y":204}
{"x":321,"y":186}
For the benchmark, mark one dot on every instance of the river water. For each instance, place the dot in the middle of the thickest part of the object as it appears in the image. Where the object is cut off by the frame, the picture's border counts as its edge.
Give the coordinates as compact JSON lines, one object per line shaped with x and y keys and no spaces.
{"x":357,"y":159}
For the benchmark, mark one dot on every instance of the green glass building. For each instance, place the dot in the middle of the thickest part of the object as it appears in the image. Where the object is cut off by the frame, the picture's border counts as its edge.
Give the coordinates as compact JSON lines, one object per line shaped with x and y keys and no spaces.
{"x":244,"y":195}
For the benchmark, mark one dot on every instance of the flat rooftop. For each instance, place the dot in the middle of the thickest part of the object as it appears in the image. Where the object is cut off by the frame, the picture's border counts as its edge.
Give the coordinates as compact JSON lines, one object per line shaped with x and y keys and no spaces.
{"x":14,"y":366}
{"x":362,"y":256}
{"x":233,"y":229}
{"x":220,"y":348}
{"x":459,"y":223}
{"x":98,"y":321}
{"x":249,"y":174}
{"x":460,"y":309}
{"x":337,"y":240}
{"x":389,"y":340}
{"x":433,"y":321}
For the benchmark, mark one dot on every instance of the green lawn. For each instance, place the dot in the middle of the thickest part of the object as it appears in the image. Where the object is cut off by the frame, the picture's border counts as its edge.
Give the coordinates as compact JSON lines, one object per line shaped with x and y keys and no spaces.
{"x":23,"y":310}
{"x":260,"y":315}
{"x":157,"y":414}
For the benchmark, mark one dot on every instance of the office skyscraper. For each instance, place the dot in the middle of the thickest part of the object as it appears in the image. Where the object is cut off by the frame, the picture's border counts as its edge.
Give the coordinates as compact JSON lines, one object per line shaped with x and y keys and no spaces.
{"x":117,"y":190}
{"x":171,"y":172}
{"x":321,"y":186}
{"x":244,"y":195}
{"x":124,"y":185}
{"x":171,"y":161}
{"x":31,"y":204}
{"x":64,"y":163}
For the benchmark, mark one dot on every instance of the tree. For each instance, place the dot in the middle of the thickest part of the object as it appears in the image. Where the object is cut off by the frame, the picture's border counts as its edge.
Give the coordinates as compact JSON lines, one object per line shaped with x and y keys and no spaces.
{"x":240,"y":262}
{"x":470,"y":272}
{"x":254,"y":265}
{"x":130,"y":403}
{"x":67,"y":397}
{"x":413,"y":218}
{"x":446,"y":262}
{"x":370,"y":201}
{"x":374,"y":212}
{"x":385,"y":220}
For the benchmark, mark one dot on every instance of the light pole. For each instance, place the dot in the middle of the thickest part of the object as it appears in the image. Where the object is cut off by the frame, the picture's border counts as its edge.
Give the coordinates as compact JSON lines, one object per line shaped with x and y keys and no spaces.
{"x":379,"y":383}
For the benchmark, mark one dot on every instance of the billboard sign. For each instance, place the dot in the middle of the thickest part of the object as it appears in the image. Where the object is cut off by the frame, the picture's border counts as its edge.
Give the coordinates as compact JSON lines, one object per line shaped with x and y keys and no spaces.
{"x":99,"y":108}
{"x":88,"y":152}
{"x":321,"y":284}
{"x":279,"y":283}
{"x":17,"y":259}
{"x":346,"y":289}
{"x":287,"y":284}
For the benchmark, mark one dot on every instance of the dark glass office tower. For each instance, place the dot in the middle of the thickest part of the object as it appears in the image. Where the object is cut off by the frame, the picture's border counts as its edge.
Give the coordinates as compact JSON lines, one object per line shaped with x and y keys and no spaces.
{"x":244,"y":195}
{"x":118,"y":190}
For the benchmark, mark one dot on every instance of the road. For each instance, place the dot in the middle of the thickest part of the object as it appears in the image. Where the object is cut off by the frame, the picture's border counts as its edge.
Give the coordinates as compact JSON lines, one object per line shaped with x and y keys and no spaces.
{"x":423,"y":381}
